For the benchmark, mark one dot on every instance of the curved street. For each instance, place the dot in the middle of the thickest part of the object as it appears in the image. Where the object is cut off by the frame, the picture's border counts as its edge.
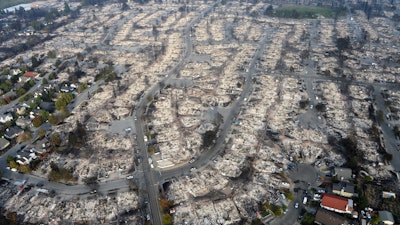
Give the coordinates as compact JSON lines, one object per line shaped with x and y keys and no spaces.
{"x":153,"y":179}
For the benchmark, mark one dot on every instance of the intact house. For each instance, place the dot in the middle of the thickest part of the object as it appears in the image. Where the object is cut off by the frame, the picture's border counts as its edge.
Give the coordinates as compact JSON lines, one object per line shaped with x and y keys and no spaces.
{"x":386,"y":217}
{"x":13,"y":132}
{"x":325,"y":217}
{"x":48,"y":106}
{"x":337,"y":204}
{"x":15,"y":72}
{"x":343,"y":174}
{"x":68,"y":89}
{"x":23,"y":122}
{"x":388,"y":194}
{"x":26,"y":157}
{"x":5,"y":118}
{"x":344,"y":189}
{"x":27,"y":77}
{"x":3,"y":143}
{"x":31,"y":75}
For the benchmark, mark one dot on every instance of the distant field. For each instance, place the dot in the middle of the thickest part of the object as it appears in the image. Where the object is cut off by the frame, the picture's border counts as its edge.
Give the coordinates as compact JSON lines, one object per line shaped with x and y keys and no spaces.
{"x":7,"y":3}
{"x":306,"y":12}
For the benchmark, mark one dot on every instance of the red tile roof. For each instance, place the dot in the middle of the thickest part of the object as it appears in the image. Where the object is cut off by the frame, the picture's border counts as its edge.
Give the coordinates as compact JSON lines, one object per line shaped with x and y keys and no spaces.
{"x":30,"y":74}
{"x":335,"y":202}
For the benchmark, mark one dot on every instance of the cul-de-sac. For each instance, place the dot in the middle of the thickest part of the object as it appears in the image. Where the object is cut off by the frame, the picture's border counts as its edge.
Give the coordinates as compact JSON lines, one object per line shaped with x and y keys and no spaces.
{"x":200,"y":112}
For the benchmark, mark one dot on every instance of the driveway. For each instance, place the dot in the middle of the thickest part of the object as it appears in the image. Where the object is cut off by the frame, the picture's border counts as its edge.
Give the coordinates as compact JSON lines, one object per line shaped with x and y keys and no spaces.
{"x":304,"y":176}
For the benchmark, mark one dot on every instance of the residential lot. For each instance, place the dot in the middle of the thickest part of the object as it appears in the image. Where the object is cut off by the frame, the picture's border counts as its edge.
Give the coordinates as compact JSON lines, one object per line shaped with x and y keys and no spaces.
{"x":121,"y":100}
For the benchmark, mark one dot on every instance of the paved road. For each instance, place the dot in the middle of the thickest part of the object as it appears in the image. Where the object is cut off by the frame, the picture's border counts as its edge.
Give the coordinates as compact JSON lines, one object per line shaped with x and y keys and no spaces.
{"x":6,"y":108}
{"x":305,"y":176}
{"x":85,"y":95}
{"x":151,"y":177}
{"x":207,"y":156}
{"x":389,"y":137}
{"x":59,"y":188}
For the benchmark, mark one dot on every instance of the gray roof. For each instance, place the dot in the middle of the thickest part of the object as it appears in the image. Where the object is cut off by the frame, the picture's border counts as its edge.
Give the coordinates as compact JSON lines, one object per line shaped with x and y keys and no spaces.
{"x":12,"y":132}
{"x":330,"y":218}
{"x":4,"y":143}
{"x":342,"y":173}
{"x":346,"y":187}
{"x":386,"y":216}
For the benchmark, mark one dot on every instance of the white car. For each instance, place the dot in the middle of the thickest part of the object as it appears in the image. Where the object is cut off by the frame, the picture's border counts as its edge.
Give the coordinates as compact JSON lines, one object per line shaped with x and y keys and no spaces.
{"x":296,"y":205}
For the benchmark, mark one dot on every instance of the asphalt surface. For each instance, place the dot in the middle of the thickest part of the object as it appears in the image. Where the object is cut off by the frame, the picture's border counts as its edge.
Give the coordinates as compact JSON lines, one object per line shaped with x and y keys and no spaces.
{"x":387,"y":132}
{"x":218,"y":147}
{"x":305,"y":177}
{"x":153,"y":179}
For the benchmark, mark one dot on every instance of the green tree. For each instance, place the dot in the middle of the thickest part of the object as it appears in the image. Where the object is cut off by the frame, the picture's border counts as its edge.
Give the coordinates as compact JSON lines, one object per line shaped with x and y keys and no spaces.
{"x":256,"y":222}
{"x":375,"y":220}
{"x":13,"y":164}
{"x":79,"y":57}
{"x":55,"y":140}
{"x":379,"y":116}
{"x":304,"y":103}
{"x":53,"y":119}
{"x":166,"y":219}
{"x":6,"y":85}
{"x":41,"y":133}
{"x":289,"y":196}
{"x":209,"y":137}
{"x":37,"y":121}
{"x":21,"y":91}
{"x":82,"y":87}
{"x":307,"y":220}
{"x":64,"y":100}
{"x":10,"y":158}
{"x":25,"y":169}
{"x":51,"y":54}
{"x":343,"y":43}
{"x":165,"y":205}
{"x":67,"y":9}
{"x":44,"y":114}
{"x":269,"y":11}
{"x":64,"y":112}
{"x":12,"y":218}
{"x":320,"y":107}
{"x":52,"y":76}
{"x":45,"y":81}
{"x":276,"y":210}
{"x":37,"y":25}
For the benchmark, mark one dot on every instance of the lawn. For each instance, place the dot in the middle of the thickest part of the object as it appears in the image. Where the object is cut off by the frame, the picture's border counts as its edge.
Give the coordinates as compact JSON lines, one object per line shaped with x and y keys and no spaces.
{"x":307,"y":12}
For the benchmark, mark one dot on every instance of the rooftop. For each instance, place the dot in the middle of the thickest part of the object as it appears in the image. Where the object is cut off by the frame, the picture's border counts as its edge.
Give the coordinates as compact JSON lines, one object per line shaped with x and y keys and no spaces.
{"x":329,"y":218}
{"x":4,"y":143}
{"x":334,"y":202}
{"x":30,"y":74}
{"x":346,"y":187}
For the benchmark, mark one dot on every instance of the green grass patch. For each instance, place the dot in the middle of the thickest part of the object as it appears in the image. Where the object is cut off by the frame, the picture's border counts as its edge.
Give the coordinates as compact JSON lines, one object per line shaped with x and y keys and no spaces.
{"x":7,"y":3}
{"x":307,"y":12}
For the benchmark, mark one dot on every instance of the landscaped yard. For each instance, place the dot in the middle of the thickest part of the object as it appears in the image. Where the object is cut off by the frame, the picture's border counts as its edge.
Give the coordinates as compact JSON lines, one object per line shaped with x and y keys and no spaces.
{"x":306,"y":12}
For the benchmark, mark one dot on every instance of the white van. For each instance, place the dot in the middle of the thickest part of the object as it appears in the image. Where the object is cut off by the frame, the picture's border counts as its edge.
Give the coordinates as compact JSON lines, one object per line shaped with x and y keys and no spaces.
{"x":304,"y":200}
